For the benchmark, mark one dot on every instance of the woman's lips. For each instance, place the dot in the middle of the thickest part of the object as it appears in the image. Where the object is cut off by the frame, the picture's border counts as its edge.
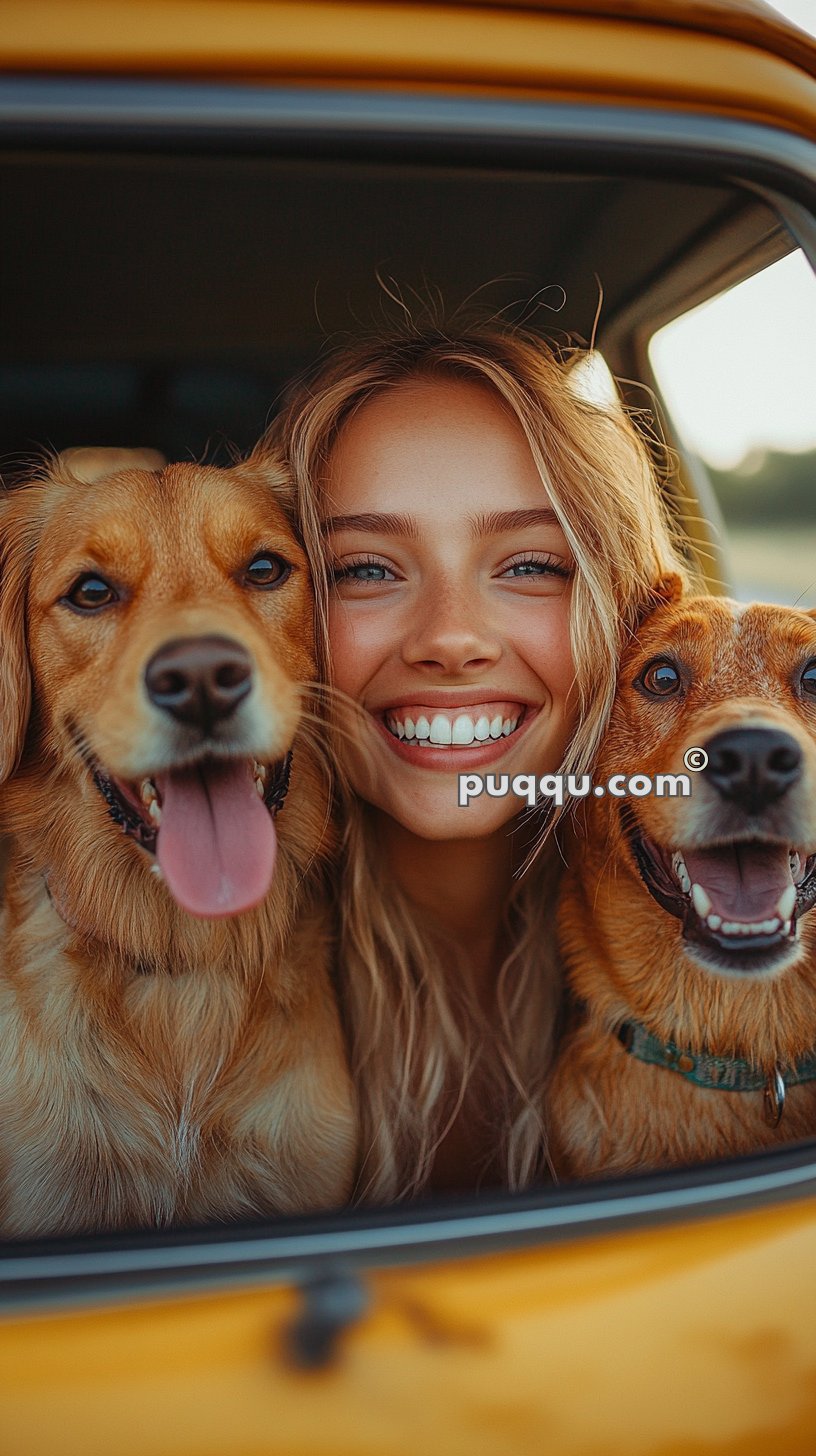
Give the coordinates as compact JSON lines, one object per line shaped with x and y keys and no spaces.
{"x":485,"y":731}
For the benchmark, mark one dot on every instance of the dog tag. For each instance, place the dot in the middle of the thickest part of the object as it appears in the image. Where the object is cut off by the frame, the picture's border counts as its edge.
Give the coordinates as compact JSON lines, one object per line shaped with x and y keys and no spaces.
{"x":774,"y":1098}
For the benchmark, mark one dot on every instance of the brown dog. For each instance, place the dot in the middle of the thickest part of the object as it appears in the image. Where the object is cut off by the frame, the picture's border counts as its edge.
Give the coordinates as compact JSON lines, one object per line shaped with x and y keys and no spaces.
{"x":170,"y":1048}
{"x":682,"y":922}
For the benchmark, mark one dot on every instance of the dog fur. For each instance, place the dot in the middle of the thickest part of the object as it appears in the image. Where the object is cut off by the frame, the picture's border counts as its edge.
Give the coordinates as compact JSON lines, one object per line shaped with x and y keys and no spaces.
{"x":156,"y":1067}
{"x":629,"y":959}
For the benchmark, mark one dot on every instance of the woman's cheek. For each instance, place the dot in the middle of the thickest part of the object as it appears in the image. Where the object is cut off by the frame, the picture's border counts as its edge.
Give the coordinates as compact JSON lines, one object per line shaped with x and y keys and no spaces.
{"x":541,"y":638}
{"x":358,"y":642}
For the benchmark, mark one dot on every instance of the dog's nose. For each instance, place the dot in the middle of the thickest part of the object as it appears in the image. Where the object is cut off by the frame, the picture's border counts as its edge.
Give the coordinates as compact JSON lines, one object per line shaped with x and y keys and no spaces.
{"x":199,"y":680}
{"x":753,"y":766}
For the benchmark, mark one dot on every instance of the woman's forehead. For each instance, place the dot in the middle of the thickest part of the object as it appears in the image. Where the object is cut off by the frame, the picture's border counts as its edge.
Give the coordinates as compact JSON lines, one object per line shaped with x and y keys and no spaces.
{"x":430,"y":444}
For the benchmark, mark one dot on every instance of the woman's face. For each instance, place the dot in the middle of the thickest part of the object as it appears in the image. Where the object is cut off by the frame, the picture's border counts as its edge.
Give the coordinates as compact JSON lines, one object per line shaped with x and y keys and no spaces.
{"x":449,"y":620}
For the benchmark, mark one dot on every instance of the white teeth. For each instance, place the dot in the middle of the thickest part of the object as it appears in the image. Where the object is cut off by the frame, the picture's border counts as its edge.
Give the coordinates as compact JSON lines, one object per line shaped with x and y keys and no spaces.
{"x":154,"y":812}
{"x":147,"y":792}
{"x":441,"y":731}
{"x":463,"y":730}
{"x":260,"y":787}
{"x":713,"y":922}
{"x":786,"y":902}
{"x":795,"y":863}
{"x":679,"y":867}
{"x":700,"y":900}
{"x":156,"y":870}
{"x":755,"y":927}
{"x":786,"y":927}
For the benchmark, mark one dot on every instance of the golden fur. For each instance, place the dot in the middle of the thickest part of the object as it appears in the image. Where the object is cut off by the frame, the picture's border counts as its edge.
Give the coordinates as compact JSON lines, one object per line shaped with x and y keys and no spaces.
{"x":155,"y":1066}
{"x":627,"y":958}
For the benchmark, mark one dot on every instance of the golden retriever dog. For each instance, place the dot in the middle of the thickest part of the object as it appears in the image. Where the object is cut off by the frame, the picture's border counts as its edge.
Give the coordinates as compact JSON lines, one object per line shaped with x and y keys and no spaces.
{"x":683,"y":922}
{"x":170,"y":1046}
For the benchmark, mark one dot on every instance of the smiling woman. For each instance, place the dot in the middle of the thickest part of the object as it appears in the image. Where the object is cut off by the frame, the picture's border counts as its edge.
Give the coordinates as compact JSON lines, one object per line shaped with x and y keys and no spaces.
{"x":485,"y":539}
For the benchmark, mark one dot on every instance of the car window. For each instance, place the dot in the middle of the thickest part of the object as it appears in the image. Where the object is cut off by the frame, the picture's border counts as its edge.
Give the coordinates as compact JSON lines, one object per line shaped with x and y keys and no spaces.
{"x":737,"y":376}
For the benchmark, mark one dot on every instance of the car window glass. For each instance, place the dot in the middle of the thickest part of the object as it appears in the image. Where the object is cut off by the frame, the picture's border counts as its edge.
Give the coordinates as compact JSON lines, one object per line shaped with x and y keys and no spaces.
{"x":737,"y":378}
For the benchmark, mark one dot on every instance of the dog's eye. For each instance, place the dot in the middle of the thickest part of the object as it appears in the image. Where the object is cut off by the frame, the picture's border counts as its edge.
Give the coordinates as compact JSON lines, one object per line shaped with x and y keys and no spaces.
{"x":659,"y":679}
{"x":90,"y":592}
{"x":808,"y":678}
{"x":266,"y":569}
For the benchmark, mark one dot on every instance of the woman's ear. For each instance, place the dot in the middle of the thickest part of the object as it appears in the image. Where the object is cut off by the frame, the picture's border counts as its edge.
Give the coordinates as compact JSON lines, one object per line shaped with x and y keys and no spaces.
{"x":15,"y":674}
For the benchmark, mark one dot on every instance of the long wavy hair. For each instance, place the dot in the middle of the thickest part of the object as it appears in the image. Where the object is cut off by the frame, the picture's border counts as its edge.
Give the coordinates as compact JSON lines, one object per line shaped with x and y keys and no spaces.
{"x":419,"y":1041}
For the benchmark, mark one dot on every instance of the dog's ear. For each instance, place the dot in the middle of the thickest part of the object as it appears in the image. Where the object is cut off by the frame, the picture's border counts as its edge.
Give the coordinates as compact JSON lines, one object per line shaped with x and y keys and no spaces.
{"x":15,"y":675}
{"x":88,"y":463}
{"x":667,"y":589}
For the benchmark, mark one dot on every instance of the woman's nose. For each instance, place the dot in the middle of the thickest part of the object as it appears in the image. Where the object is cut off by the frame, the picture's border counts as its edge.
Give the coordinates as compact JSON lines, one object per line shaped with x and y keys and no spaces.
{"x":451,"y":631}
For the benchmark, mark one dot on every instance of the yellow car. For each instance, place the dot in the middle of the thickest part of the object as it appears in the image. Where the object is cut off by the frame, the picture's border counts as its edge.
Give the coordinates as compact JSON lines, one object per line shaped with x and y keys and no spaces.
{"x":196,"y":193}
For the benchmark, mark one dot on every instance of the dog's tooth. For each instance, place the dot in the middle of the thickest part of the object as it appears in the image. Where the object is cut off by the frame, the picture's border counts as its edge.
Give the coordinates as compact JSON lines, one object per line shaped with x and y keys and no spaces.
{"x":700,"y":900}
{"x":795,"y":863}
{"x":729,"y":927}
{"x":156,"y":869}
{"x":770,"y":926}
{"x":259,"y":784}
{"x":147,"y":792}
{"x":786,"y":902}
{"x":713,"y":922}
{"x":260,"y":771}
{"x":786,"y":927}
{"x":683,"y":876}
{"x":154,"y":812}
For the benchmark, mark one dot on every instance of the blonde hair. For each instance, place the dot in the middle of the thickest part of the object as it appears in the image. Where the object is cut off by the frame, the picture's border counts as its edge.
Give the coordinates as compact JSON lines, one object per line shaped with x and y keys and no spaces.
{"x":417,"y":1035}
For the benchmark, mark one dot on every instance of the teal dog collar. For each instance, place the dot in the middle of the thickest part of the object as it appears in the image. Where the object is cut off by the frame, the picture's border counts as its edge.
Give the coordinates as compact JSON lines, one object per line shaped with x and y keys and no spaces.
{"x":719,"y":1074}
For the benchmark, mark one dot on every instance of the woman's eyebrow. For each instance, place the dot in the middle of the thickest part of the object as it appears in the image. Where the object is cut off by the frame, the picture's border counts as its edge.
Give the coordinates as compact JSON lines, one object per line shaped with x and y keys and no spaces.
{"x":490,"y":523}
{"x":383,"y":523}
{"x":494,"y":522}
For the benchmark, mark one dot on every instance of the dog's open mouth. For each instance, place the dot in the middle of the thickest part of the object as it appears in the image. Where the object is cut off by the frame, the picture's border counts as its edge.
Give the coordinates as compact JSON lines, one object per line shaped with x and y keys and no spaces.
{"x":740,"y":901}
{"x":210,"y":826}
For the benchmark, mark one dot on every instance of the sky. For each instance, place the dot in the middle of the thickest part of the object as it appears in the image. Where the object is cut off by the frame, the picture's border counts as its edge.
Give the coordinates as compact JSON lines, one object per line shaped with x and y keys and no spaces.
{"x":801,"y":12}
{"x":738,"y":374}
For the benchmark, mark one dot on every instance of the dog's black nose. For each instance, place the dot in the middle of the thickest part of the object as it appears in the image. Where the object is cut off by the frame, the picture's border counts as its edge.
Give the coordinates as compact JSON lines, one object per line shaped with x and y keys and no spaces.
{"x":199,"y":680}
{"x":753,"y":766}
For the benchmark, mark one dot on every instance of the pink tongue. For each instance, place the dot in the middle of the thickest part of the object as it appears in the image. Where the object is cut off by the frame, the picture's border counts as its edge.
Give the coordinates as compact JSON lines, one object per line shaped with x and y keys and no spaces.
{"x":216,"y":843}
{"x":744,"y":881}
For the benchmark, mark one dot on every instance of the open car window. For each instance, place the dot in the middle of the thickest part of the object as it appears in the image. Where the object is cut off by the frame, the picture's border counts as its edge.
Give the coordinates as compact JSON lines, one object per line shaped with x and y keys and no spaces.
{"x":163,"y":285}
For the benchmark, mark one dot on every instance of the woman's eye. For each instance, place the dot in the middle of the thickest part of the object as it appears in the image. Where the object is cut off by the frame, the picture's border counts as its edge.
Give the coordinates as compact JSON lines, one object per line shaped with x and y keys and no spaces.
{"x":363,"y":571}
{"x":532,"y":566}
{"x":267,"y":570}
{"x":660,"y":679}
{"x":90,"y":592}
{"x":808,"y":679}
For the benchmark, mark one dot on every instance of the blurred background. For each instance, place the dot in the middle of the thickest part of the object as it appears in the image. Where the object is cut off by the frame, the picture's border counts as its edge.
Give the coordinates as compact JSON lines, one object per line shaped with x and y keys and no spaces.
{"x":738,"y":375}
